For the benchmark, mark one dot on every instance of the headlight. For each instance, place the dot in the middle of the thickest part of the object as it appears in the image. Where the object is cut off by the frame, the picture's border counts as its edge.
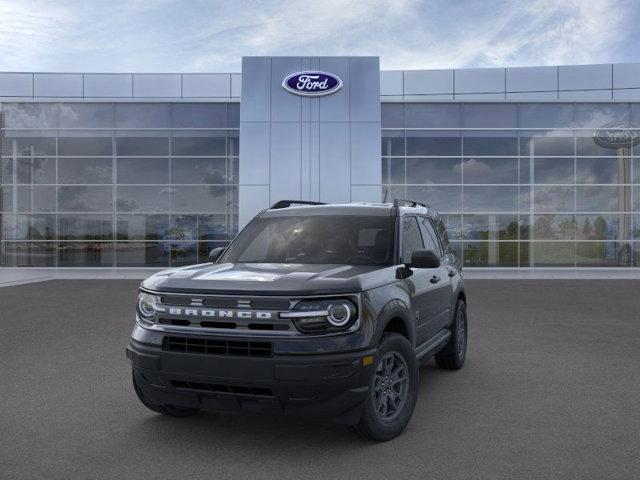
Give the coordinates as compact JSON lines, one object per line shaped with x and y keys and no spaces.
{"x":148,"y":305}
{"x":319,"y":316}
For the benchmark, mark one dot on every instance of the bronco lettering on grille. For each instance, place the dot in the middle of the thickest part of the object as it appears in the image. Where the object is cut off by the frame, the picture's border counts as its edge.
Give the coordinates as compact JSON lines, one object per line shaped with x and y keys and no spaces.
{"x":218,"y":313}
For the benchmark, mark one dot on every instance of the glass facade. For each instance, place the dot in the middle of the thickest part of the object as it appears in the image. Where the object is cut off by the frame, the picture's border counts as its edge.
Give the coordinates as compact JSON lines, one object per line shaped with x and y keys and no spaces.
{"x":117,"y":184}
{"x":520,"y":184}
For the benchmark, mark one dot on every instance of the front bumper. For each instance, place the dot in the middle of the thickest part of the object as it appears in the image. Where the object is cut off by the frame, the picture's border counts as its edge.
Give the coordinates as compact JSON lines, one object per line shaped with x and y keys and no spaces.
{"x":318,"y":385}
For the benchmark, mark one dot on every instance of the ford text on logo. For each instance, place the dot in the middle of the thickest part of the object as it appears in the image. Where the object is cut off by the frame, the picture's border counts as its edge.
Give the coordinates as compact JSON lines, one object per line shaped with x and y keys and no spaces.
{"x":312,"y":84}
{"x":617,"y":135}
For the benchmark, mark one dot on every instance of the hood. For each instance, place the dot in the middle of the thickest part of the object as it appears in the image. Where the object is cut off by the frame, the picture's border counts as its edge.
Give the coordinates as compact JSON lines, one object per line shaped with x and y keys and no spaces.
{"x":270,"y":279}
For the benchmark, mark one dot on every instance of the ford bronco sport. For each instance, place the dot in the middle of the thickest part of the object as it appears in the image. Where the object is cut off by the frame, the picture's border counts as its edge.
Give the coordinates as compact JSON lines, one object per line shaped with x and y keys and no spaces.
{"x":313,"y":309}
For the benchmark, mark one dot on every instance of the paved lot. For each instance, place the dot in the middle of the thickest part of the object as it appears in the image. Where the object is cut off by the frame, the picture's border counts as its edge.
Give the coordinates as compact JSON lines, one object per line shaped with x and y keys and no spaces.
{"x":551,"y":390}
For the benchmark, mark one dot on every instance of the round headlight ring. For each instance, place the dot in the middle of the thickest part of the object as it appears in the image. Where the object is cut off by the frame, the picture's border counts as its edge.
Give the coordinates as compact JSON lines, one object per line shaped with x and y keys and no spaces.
{"x":146,"y":304}
{"x":339,"y":314}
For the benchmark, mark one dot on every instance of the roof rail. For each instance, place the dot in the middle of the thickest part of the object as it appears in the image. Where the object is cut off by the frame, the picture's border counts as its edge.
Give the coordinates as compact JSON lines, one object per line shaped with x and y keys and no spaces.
{"x":288,"y":203}
{"x":401,"y":202}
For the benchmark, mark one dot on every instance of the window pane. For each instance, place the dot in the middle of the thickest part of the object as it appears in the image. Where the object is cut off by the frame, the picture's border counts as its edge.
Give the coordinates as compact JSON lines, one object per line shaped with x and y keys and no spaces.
{"x":491,"y":254}
{"x":85,"y":170}
{"x":140,"y":254}
{"x":199,"y":170}
{"x":433,"y":143}
{"x":545,"y":115}
{"x":212,"y":227}
{"x":212,"y":144}
{"x":603,"y":199}
{"x":411,"y":238}
{"x":434,"y":170}
{"x":490,"y":145}
{"x":6,"y":171}
{"x":36,"y":170}
{"x":85,"y":227}
{"x":553,"y":170}
{"x":233,"y":143}
{"x":142,"y":227}
{"x":603,"y":170}
{"x":546,"y":144}
{"x":199,"y":115}
{"x":233,"y":112}
{"x":182,"y":253}
{"x":393,"y":170}
{"x":199,"y":199}
{"x":392,"y":115}
{"x":30,"y":115}
{"x":85,"y":199}
{"x":40,"y":254}
{"x":553,"y":254}
{"x":554,"y":227}
{"x":143,"y":199}
{"x":29,"y":146}
{"x":392,"y":143}
{"x":142,"y":170}
{"x":432,"y":115}
{"x":35,"y":227}
{"x":585,"y":145}
{"x":443,"y":199}
{"x":490,"y":199}
{"x":603,"y":254}
{"x":6,"y":199}
{"x":79,"y":254}
{"x":554,"y":199}
{"x":490,"y":227}
{"x":142,"y":146}
{"x":91,"y":146}
{"x":142,"y":115}
{"x":487,"y":115}
{"x":603,"y":227}
{"x":598,"y":114}
{"x":490,"y":170}
{"x":86,"y":115}
{"x":36,"y":199}
{"x":204,"y":248}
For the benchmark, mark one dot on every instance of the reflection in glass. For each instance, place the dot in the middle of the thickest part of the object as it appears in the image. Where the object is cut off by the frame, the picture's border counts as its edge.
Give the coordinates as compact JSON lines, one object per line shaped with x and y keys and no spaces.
{"x":199,"y":115}
{"x":37,"y":254}
{"x":142,"y":115}
{"x":433,"y":170}
{"x":393,"y":115}
{"x":85,"y":227}
{"x":142,"y":170}
{"x":603,"y":170}
{"x":85,"y":170}
{"x":490,"y":254}
{"x":199,"y":170}
{"x":545,"y":115}
{"x":198,"y":199}
{"x":490,"y":199}
{"x":142,"y":198}
{"x":554,"y":227}
{"x":433,"y":143}
{"x":553,"y":199}
{"x":86,"y":115}
{"x":392,"y":143}
{"x":35,"y":227}
{"x":85,"y":199}
{"x":602,"y":226}
{"x":553,"y":254}
{"x":433,"y":115}
{"x":546,"y":144}
{"x":36,"y":170}
{"x":142,"y":254}
{"x":490,"y":170}
{"x":89,"y":146}
{"x":553,"y":170}
{"x":36,"y":198}
{"x":212,"y":143}
{"x":80,"y":254}
{"x":30,"y":115}
{"x":603,"y":198}
{"x":142,"y":146}
{"x":603,"y":254}
{"x":489,"y":144}
{"x":490,"y":227}
{"x":142,"y":227}
{"x":30,"y":146}
{"x":443,"y":199}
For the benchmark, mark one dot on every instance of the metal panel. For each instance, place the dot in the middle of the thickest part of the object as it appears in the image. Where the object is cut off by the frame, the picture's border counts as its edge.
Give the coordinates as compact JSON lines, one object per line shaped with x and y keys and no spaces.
{"x":335,"y":107}
{"x":585,"y":95}
{"x":480,"y":97}
{"x":157,"y":86}
{"x":285,"y":164}
{"x":479,"y":80}
{"x":236,"y":85}
{"x":255,"y":145}
{"x":16,"y":84}
{"x":425,"y":82}
{"x":252,"y":199}
{"x":285,"y":107}
{"x":585,"y":77}
{"x":532,"y":96}
{"x":626,"y":75}
{"x":256,"y":89}
{"x":57,"y":85}
{"x":108,"y":85}
{"x":427,"y":98}
{"x":532,"y":79}
{"x":364,"y":76}
{"x":365,"y":154}
{"x":366,"y":193}
{"x":629,"y":94}
{"x":391,"y":82}
{"x":206,"y":85}
{"x":335,"y":185}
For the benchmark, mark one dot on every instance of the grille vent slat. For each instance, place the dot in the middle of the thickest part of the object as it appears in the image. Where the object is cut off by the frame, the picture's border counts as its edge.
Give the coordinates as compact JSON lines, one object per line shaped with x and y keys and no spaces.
{"x":209,"y":346}
{"x":217,"y":388}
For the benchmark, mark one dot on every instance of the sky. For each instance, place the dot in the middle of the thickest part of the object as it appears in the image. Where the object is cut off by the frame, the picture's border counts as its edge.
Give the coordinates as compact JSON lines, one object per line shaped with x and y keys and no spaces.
{"x":212,"y":36}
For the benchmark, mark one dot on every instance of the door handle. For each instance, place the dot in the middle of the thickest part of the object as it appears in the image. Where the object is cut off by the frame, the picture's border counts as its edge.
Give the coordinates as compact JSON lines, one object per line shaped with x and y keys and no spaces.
{"x":435,"y":279}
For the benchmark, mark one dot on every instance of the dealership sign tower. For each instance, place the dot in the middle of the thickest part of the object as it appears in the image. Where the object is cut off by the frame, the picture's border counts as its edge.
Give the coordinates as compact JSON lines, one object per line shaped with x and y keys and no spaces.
{"x":309,"y":129}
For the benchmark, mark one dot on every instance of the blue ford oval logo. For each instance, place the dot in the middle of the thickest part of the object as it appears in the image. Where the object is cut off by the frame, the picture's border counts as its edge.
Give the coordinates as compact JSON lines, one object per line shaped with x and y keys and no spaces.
{"x":312,"y":84}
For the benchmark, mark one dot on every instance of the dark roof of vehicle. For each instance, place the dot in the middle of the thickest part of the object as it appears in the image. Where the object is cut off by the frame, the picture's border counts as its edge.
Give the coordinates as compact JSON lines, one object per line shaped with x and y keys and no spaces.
{"x":356,"y":209}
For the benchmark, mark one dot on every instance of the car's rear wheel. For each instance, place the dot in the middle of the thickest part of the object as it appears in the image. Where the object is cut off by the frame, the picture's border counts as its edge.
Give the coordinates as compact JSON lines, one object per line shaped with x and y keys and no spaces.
{"x":169,"y":410}
{"x":452,"y":356}
{"x":393,"y":390}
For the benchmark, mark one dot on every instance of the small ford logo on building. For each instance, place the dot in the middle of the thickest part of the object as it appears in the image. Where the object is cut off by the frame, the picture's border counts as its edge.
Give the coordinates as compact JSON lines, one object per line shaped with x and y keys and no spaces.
{"x":312,"y":83}
{"x":616,"y":135}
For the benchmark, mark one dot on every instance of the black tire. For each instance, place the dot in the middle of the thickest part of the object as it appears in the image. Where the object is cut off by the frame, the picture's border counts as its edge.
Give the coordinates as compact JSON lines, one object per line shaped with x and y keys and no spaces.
{"x":379,"y":426}
{"x":452,"y":356}
{"x":169,"y":410}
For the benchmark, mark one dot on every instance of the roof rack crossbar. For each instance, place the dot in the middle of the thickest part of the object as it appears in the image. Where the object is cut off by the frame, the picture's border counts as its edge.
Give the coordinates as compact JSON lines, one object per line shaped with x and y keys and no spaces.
{"x":288,"y":203}
{"x":401,"y":202}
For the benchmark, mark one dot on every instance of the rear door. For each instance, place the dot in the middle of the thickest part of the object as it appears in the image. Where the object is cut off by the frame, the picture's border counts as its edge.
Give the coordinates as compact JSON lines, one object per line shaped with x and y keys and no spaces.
{"x":419,"y":283}
{"x":441,"y":295}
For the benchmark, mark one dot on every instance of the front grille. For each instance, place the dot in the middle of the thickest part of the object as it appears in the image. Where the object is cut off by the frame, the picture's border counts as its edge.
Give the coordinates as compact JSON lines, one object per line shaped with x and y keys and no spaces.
{"x":218,"y":388}
{"x":209,"y":346}
{"x":181,"y":322}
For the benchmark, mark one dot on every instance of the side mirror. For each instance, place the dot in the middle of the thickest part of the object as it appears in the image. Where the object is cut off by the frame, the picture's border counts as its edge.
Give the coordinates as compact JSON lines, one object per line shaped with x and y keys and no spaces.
{"x":425,"y":259}
{"x":214,"y":254}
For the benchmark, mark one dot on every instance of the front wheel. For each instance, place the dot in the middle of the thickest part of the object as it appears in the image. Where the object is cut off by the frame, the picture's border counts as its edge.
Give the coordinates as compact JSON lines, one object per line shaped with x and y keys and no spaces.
{"x":393,"y":390}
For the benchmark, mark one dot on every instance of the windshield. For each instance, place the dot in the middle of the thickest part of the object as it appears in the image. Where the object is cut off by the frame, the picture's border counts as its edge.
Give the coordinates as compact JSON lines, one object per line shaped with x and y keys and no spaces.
{"x":349,"y":240}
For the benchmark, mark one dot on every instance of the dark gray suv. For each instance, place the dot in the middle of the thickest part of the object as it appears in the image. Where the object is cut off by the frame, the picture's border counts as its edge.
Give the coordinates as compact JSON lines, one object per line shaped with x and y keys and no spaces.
{"x":313,"y":309}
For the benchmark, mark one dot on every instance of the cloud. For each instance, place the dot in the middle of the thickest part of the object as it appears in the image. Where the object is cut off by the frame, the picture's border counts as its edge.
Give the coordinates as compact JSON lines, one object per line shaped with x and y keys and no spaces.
{"x":171,"y":35}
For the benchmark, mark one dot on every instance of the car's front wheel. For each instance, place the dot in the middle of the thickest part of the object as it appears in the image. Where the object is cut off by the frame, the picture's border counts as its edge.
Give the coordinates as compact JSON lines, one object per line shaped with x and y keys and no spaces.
{"x":169,"y":410}
{"x":393,"y":390}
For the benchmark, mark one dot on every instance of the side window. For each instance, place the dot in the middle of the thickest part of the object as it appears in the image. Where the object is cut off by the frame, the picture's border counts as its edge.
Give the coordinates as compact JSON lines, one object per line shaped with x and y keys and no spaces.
{"x":430,"y":237}
{"x":442,"y":232}
{"x":411,"y":238}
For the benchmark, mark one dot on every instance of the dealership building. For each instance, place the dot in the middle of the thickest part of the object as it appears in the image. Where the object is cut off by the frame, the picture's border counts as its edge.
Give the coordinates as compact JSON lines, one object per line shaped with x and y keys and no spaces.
{"x":530,"y":167}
